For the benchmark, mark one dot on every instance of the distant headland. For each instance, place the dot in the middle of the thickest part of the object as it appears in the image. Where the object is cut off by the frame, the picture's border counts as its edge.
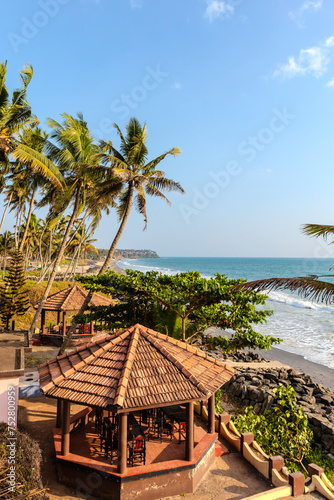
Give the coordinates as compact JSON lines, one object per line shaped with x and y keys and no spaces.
{"x":127,"y":254}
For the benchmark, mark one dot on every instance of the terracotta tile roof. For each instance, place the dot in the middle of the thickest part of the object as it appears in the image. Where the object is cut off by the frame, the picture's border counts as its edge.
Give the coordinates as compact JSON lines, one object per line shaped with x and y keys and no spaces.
{"x":71,"y":299}
{"x":133,"y":368}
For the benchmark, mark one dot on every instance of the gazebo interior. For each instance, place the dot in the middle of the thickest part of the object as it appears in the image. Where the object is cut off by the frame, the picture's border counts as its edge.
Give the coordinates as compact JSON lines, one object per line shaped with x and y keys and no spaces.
{"x":68,"y":301}
{"x":139,"y":387}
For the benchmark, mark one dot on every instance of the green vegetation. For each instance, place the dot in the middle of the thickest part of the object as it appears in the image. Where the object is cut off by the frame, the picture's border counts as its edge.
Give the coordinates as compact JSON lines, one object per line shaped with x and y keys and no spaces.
{"x":74,"y":178}
{"x":13,"y":293}
{"x":284,"y":431}
{"x":27,"y":465}
{"x":127,"y":254}
{"x":182,"y":306}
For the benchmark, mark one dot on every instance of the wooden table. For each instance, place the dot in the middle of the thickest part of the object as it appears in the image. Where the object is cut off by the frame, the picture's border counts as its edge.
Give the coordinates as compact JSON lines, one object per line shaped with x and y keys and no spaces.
{"x":178,"y":415}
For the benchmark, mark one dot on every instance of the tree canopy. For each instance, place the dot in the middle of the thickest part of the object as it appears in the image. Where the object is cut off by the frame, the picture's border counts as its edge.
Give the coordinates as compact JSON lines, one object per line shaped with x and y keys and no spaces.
{"x":183,"y":305}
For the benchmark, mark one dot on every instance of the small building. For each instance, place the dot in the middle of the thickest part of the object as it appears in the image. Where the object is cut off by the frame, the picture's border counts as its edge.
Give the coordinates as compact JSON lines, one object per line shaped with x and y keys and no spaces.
{"x":122,"y":379}
{"x":64,"y":302}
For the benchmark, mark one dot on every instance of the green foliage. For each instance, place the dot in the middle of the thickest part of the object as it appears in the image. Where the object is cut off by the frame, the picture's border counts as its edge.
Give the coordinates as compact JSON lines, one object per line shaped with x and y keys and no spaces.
{"x":183,"y":306}
{"x":315,"y":456}
{"x":218,"y":406}
{"x":285,"y":431}
{"x":28,"y":460}
{"x":13,"y":295}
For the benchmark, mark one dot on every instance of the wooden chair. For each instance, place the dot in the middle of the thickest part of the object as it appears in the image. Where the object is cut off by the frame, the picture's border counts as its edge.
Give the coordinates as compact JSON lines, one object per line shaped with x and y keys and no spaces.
{"x":137,"y":451}
{"x":165,"y":429}
{"x":98,"y":420}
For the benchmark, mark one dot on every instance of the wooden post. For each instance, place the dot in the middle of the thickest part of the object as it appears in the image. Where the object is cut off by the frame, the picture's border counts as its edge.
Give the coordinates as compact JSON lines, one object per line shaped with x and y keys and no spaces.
{"x":58,"y":317}
{"x":91,"y":327}
{"x":122,"y":443}
{"x":190,"y":432}
{"x":65,"y":435}
{"x":211,"y":414}
{"x":59,"y":413}
{"x":64,"y":323}
{"x":42,"y":320}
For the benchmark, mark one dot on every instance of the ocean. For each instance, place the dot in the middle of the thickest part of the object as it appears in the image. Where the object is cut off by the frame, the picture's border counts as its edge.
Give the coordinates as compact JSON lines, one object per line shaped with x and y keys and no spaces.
{"x":306,"y":327}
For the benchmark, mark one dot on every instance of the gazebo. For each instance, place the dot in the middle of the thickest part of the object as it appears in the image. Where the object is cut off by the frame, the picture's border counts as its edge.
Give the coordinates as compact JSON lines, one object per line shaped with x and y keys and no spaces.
{"x":69,"y":300}
{"x":133,"y":370}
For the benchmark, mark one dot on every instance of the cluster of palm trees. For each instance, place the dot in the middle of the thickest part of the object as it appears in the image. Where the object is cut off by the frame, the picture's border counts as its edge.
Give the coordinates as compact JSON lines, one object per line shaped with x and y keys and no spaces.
{"x":76,"y":178}
{"x":41,"y":244}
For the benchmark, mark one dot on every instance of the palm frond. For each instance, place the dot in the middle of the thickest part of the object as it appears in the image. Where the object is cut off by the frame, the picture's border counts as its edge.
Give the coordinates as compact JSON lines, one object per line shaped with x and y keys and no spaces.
{"x":39,"y":163}
{"x":141,"y":204}
{"x":153,"y":163}
{"x":166,"y":184}
{"x":306,"y":287}
{"x":153,"y":191}
{"x":317,"y":230}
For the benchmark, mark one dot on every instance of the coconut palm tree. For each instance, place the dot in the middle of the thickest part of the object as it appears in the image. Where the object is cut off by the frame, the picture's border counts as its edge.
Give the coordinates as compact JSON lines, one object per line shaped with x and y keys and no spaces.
{"x":133,"y":177}
{"x":306,"y":286}
{"x":14,"y":113}
{"x":138,"y":177}
{"x":76,"y":155}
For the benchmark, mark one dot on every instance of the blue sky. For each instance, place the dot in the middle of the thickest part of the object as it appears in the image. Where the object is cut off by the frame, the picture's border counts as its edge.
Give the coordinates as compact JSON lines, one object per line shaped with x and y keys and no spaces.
{"x":245,"y":89}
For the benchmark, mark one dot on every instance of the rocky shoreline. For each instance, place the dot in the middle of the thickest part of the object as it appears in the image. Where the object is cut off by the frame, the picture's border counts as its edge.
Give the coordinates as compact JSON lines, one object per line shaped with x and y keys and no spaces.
{"x":253,"y":386}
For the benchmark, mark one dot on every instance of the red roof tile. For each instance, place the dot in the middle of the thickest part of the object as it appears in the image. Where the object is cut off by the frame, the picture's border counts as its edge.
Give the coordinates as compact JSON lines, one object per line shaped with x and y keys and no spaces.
{"x":71,"y":299}
{"x":133,"y":368}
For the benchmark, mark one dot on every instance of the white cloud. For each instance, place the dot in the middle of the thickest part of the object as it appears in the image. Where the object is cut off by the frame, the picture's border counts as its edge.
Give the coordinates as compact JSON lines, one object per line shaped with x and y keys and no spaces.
{"x":218,"y":9}
{"x":330,"y":83}
{"x":298,"y":16}
{"x":313,"y":61}
{"x":177,"y":85}
{"x":136,"y":4}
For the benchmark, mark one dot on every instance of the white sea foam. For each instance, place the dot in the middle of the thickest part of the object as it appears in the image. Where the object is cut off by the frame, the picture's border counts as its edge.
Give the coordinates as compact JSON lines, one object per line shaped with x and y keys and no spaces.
{"x":295,"y":301}
{"x":306,"y":327}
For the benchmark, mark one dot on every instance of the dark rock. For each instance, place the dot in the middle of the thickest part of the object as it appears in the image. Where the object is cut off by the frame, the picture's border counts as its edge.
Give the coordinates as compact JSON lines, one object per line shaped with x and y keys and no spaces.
{"x":327,"y":400}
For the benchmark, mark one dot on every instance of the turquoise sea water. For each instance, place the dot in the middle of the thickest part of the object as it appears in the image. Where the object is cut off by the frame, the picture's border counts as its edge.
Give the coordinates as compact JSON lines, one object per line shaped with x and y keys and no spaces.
{"x":306,"y":327}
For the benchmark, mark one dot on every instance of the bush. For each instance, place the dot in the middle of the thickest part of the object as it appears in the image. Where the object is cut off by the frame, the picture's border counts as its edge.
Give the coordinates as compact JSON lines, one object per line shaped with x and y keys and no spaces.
{"x":285,"y":431}
{"x":28,"y":459}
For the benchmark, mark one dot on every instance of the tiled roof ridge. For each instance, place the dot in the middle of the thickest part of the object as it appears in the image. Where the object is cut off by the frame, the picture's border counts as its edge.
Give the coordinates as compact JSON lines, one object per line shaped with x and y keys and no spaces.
{"x":83,"y":362}
{"x":184,"y":345}
{"x":126,"y":371}
{"x":35,"y":305}
{"x":74,"y":289}
{"x":108,"y":336}
{"x":172,"y":359}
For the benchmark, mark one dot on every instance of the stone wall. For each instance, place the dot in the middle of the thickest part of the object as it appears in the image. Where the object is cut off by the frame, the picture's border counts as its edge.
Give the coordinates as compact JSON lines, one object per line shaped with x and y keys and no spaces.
{"x":255,"y":386}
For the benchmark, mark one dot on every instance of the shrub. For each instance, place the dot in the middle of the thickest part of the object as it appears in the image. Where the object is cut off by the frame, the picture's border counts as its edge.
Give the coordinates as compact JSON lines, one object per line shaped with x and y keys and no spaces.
{"x":285,"y":431}
{"x":28,"y":458}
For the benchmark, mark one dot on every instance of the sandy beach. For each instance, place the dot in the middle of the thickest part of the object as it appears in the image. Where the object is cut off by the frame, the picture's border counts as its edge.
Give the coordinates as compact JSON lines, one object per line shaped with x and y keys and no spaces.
{"x":320,"y":374}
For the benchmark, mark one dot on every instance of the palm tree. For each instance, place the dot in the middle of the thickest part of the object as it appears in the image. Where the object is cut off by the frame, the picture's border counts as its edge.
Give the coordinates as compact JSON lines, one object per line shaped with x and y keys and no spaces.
{"x":306,"y":286}
{"x":130,"y":176}
{"x":138,"y":178}
{"x":14,"y":114}
{"x":77,"y":156}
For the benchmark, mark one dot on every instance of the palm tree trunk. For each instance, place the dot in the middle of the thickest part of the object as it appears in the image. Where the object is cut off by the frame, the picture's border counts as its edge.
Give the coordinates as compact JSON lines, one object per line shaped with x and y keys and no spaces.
{"x":103,"y":269}
{"x":31,"y":206}
{"x":67,"y":272}
{"x":58,"y":259}
{"x":4,"y":214}
{"x":114,"y":244}
{"x":4,"y":256}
